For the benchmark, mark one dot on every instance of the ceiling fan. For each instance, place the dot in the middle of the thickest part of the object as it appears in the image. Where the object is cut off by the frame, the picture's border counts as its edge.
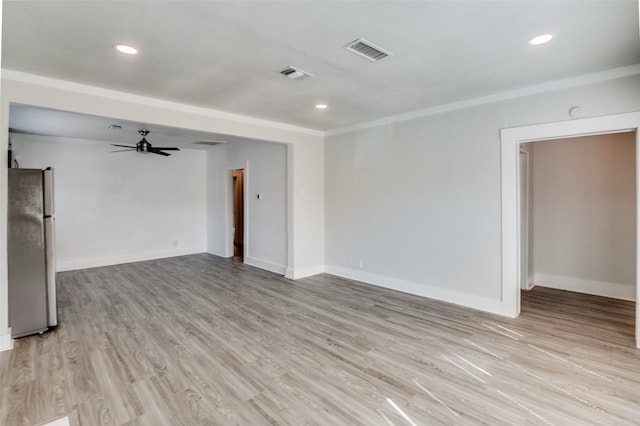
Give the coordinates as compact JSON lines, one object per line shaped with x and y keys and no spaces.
{"x":145,"y":146}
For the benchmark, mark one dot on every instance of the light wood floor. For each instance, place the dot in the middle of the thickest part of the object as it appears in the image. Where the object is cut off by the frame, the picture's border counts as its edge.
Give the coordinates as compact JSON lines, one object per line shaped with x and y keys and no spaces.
{"x":202,"y":340}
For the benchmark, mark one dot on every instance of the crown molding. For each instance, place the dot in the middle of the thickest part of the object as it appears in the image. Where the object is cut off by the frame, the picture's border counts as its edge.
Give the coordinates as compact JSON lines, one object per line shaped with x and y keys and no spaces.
{"x":550,"y":86}
{"x":22,"y":77}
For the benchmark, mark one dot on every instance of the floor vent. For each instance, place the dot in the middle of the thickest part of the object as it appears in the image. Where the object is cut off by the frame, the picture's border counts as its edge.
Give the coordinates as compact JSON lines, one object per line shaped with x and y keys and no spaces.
{"x":367,"y":50}
{"x":295,"y":73}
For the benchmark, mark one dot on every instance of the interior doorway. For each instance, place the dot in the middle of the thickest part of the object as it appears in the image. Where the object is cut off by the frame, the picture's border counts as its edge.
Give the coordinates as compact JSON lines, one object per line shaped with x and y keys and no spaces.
{"x":580,"y":249}
{"x":582,"y":212}
{"x":511,"y":139}
{"x":238,"y":214}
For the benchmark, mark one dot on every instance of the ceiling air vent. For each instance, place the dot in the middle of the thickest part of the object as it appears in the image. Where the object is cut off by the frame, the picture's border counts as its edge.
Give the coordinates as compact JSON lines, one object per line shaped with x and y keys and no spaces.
{"x":367,"y":50}
{"x":209,"y":142}
{"x":295,"y":73}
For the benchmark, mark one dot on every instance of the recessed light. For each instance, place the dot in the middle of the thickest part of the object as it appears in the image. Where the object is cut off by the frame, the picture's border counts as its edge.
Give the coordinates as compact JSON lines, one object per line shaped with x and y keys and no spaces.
{"x":127,"y":50}
{"x":541,"y":39}
{"x":322,"y":106}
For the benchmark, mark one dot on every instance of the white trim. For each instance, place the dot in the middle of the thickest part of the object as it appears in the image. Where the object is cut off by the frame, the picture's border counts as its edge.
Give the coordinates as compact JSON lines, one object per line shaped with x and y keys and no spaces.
{"x":598,"y":288}
{"x":510,"y":148}
{"x":638,"y":235}
{"x":216,"y":251}
{"x":246,"y":206}
{"x":420,"y":289}
{"x":63,"y":421}
{"x":6,"y":342}
{"x":265,"y":264}
{"x":296,"y":274}
{"x":39,"y":80}
{"x":525,"y":281}
{"x":70,"y":265}
{"x":550,"y":86}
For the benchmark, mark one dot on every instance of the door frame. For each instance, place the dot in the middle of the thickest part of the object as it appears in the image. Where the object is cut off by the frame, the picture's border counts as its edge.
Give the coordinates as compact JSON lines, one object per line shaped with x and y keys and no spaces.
{"x":227,"y":181}
{"x":511,"y":138}
{"x":524,"y":216}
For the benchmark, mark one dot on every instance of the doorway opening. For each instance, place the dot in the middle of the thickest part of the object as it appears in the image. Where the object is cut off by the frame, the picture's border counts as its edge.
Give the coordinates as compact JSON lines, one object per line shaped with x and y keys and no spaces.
{"x":510,"y":183}
{"x":238,"y":214}
{"x":578,"y":231}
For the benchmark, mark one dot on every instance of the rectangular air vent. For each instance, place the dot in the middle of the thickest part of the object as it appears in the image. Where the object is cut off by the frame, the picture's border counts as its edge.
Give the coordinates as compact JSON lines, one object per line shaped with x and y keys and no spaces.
{"x":295,"y":73}
{"x":210,"y":143}
{"x":367,"y":50}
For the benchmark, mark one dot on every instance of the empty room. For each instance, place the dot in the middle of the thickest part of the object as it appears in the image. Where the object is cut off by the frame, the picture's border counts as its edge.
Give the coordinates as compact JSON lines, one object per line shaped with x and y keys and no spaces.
{"x":319,"y":212}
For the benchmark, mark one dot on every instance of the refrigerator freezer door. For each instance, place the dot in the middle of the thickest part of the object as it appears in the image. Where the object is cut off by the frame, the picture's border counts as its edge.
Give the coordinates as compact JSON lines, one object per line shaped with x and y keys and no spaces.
{"x":26,"y":253}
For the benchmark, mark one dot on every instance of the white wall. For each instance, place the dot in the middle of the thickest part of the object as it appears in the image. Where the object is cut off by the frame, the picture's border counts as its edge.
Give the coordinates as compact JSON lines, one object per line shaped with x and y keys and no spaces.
{"x":306,"y":184}
{"x":585,"y":215}
{"x":420,"y":205}
{"x":265,"y":167}
{"x":120,"y":207}
{"x":305,"y":171}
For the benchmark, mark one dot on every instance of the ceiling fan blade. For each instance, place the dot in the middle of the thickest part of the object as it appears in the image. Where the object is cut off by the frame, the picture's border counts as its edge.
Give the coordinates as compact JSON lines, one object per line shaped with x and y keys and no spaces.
{"x":123,"y":150}
{"x":157,"y":151}
{"x":123,"y":146}
{"x":166,"y":148}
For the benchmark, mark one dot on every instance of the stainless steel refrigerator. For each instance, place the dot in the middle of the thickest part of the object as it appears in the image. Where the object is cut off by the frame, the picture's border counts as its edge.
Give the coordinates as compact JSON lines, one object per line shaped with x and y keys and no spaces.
{"x":30,"y":249}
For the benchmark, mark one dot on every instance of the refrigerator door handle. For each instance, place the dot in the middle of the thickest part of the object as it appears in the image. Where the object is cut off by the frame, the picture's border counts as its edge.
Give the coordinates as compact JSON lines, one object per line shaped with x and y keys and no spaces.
{"x":47,"y":175}
{"x":50,"y":261}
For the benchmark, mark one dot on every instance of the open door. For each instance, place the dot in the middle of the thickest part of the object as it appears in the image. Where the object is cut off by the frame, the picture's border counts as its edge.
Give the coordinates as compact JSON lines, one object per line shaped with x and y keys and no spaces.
{"x":238,"y":214}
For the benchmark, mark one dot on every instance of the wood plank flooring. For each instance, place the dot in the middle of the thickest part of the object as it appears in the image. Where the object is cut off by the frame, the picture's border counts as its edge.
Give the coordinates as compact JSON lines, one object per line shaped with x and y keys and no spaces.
{"x":200,"y":340}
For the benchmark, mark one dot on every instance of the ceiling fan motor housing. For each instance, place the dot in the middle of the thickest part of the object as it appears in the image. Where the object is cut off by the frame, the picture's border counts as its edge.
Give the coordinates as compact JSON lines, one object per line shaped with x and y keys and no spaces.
{"x":143,"y":146}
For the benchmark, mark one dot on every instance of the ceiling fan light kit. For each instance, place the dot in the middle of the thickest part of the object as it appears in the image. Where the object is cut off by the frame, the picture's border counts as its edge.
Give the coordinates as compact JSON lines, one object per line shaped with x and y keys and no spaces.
{"x":145,"y":147}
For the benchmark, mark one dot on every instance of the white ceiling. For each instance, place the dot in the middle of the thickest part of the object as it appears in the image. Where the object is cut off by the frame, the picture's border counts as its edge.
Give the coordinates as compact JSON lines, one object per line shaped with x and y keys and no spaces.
{"x":90,"y":128}
{"x":226,"y":55}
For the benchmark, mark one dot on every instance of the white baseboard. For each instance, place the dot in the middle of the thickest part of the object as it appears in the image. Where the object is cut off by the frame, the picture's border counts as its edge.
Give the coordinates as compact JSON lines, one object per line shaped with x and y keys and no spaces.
{"x":598,"y":288}
{"x":252,"y":261}
{"x":265,"y":264}
{"x":217,"y":251}
{"x":420,"y":289}
{"x":6,"y":342}
{"x":296,"y":274}
{"x":70,"y":265}
{"x":530,"y":282}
